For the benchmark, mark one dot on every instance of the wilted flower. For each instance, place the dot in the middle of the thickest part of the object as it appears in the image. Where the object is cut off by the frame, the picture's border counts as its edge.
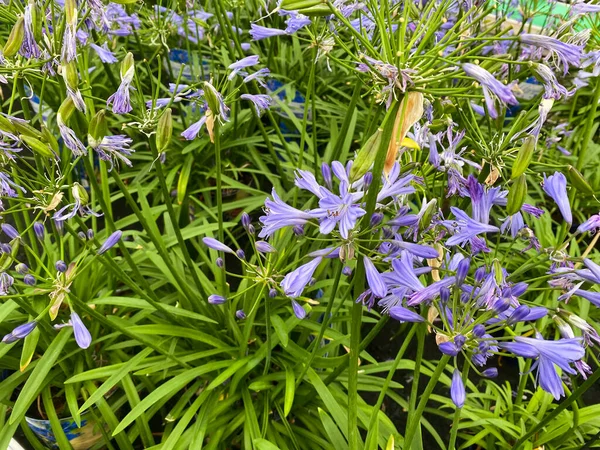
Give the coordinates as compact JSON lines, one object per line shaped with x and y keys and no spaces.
{"x":120,"y":100}
{"x":261,"y":102}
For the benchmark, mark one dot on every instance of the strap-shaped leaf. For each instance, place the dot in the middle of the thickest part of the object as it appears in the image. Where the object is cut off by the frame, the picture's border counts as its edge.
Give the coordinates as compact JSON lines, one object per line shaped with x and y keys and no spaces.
{"x":39,"y":376}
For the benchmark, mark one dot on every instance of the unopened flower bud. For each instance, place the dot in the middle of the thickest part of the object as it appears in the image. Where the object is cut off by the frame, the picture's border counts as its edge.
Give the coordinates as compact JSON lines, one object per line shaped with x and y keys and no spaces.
{"x":251,"y":230}
{"x":240,"y":254}
{"x":39,"y":230}
{"x":444,"y":295}
{"x":6,"y":248}
{"x":215,"y":299}
{"x":501,"y":305}
{"x":367,"y":180}
{"x":22,"y":268}
{"x":460,"y":340}
{"x":347,"y":270}
{"x":326,"y":172}
{"x":20,"y":332}
{"x":272,"y":293}
{"x":90,"y":234}
{"x":81,"y":235}
{"x":219,"y":262}
{"x":61,"y":266}
{"x":519,"y":314}
{"x":479,"y":330}
{"x":10,"y":231}
{"x":299,"y":311}
{"x":240,"y":314}
{"x":246,"y":220}
{"x":376,"y":219}
{"x":479,"y":274}
{"x":110,"y":242}
{"x":265,"y":247}
{"x":492,"y":372}
{"x":462,"y":270}
{"x":29,"y":280}
{"x":298,"y":230}
{"x":449,"y":348}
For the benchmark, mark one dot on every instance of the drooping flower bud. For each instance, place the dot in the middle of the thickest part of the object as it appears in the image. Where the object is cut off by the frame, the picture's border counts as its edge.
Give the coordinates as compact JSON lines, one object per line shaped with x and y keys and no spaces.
{"x":110,"y":242}
{"x":216,"y":245}
{"x":265,"y":247}
{"x":20,"y":332}
{"x":29,"y":280}
{"x":10,"y":231}
{"x":347,"y":270}
{"x":22,"y":268}
{"x":82,"y":334}
{"x":240,"y":254}
{"x":299,"y":311}
{"x":6,"y":248}
{"x":403,"y":314}
{"x":491,"y":372}
{"x":449,"y":348}
{"x":215,"y":299}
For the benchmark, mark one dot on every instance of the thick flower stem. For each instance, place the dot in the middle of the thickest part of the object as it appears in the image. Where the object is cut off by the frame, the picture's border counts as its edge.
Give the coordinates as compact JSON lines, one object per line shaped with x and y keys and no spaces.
{"x":416,"y":418}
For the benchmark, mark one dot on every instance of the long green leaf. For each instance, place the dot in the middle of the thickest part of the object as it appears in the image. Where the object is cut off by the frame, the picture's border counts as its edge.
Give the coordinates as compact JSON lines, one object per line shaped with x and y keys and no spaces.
{"x":39,"y":376}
